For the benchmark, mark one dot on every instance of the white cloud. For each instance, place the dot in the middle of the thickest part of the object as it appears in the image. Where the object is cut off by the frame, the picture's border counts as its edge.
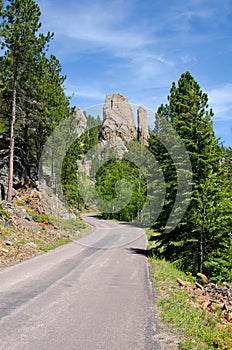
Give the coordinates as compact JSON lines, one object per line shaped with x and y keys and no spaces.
{"x":143,"y":53}
{"x":213,"y":11}
{"x":188,"y":59}
{"x":220,"y":99}
{"x":136,"y":53}
{"x":84,"y":91}
{"x":102,"y":25}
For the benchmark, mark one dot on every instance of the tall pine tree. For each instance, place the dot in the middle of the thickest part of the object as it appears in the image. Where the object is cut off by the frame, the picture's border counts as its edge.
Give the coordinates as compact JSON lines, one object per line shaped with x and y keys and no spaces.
{"x":22,"y":44}
{"x":204,"y":229}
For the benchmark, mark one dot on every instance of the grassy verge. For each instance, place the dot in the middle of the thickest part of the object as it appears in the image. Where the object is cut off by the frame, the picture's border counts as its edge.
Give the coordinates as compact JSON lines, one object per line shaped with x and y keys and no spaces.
{"x":57,"y":244}
{"x":195,"y":328}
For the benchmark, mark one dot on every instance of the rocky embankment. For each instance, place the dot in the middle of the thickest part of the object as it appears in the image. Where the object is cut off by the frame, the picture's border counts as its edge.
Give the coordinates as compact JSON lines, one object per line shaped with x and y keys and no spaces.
{"x":210,"y":297}
{"x":27,"y":227}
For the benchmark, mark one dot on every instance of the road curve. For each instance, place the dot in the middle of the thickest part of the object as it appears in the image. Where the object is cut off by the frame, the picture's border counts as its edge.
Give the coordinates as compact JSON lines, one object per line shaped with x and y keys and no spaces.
{"x":87,"y":295}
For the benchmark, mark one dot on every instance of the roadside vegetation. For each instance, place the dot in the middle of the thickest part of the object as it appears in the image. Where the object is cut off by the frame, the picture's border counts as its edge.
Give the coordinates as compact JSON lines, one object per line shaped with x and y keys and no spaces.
{"x":26,"y":230}
{"x":193,"y":327}
{"x":202,"y":240}
{"x":33,"y":103}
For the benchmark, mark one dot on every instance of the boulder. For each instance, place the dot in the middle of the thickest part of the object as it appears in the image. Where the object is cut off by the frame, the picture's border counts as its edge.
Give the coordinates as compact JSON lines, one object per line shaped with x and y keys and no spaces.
{"x":53,"y":205}
{"x":25,"y":215}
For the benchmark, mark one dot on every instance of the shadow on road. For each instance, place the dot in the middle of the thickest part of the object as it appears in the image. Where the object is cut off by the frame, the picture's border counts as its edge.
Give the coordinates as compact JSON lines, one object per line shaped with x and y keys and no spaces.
{"x":146,"y":252}
{"x":138,"y":251}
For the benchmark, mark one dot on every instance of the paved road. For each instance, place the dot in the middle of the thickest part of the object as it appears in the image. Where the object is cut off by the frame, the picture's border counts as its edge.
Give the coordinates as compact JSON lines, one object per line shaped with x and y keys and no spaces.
{"x":81,"y":296}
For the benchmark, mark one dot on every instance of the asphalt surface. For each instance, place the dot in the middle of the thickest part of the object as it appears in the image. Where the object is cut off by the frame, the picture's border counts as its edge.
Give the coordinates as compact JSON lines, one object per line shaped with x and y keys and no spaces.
{"x":92,"y":294}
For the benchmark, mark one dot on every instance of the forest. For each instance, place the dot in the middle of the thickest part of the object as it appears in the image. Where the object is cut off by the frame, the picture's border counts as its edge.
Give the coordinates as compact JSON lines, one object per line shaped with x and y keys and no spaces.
{"x":33,"y":103}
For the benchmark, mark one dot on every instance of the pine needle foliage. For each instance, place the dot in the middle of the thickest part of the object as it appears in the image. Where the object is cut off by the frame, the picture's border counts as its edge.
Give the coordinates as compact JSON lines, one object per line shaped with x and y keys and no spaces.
{"x":201,"y":242}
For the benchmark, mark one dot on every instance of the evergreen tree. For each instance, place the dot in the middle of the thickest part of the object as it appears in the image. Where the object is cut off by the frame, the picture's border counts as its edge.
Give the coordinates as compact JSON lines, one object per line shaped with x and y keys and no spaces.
{"x":22,"y":45}
{"x":71,"y":180}
{"x":91,"y":137}
{"x":122,"y":189}
{"x":51,"y":105}
{"x":204,"y":229}
{"x":159,"y":137}
{"x":69,"y":175}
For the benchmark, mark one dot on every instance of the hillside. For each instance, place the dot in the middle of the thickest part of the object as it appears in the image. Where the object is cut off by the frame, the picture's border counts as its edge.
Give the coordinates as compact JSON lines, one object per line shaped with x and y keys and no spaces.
{"x":27,"y":227}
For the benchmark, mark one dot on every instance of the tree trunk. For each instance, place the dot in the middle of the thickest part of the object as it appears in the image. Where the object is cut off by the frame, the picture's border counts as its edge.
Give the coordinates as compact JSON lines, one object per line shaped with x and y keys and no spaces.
{"x":26,"y":137}
{"x":201,"y":253}
{"x":11,"y":158}
{"x":27,"y":171}
{"x":39,"y":147}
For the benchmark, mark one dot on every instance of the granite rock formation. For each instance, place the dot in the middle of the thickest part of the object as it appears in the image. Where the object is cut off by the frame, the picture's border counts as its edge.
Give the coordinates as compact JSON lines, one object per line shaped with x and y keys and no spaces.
{"x":118,"y":119}
{"x":143,"y":131}
{"x":118,"y":127}
{"x":81,"y":122}
{"x":118,"y":123}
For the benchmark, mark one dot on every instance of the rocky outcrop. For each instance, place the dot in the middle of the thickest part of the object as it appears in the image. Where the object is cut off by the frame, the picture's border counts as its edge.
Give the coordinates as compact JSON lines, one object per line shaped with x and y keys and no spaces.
{"x":118,"y":118}
{"x":143,"y":131}
{"x":81,"y":121}
{"x":118,"y":124}
{"x":50,"y":203}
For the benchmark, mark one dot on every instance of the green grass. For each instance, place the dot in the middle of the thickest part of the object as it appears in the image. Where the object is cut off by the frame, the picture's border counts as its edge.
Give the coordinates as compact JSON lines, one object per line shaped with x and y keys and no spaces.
{"x":20,"y":202}
{"x":57,"y":244}
{"x":3,"y":213}
{"x":72,"y":224}
{"x":40,"y":218}
{"x":43,"y":244}
{"x":5,"y":230}
{"x":198,"y":329}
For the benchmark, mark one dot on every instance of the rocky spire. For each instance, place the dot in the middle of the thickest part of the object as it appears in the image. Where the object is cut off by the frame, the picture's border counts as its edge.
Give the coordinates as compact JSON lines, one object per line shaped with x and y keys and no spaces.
{"x":143,"y":132}
{"x":118,"y":123}
{"x":118,"y":118}
{"x":82,"y":122}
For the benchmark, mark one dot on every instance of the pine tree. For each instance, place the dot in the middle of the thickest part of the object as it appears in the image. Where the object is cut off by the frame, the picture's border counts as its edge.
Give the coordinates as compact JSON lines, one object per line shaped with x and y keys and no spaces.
{"x":21,"y":45}
{"x":51,"y":106}
{"x":159,"y":137}
{"x":204,"y":228}
{"x":72,"y":181}
{"x":91,"y":137}
{"x":69,"y":175}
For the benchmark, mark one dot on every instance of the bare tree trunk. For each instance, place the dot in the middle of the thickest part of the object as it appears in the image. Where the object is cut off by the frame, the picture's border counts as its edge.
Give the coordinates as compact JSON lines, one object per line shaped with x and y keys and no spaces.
{"x":201,"y":252}
{"x":11,"y":158}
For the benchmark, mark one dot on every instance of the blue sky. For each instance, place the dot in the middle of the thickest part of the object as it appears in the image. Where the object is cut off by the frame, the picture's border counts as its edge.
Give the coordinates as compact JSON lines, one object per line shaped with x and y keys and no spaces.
{"x":138,"y":48}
